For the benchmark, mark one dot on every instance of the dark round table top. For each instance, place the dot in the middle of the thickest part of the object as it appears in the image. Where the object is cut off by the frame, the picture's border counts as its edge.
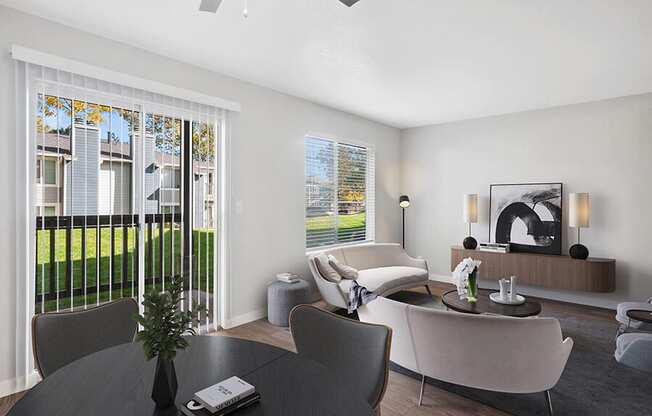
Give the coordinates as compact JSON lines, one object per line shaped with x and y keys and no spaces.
{"x":485,"y":305}
{"x":640,"y":315}
{"x":118,"y":381}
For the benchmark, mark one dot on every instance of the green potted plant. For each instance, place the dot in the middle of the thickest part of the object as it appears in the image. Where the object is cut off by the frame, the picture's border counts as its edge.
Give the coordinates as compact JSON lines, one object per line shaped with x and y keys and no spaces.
{"x":164,"y":330}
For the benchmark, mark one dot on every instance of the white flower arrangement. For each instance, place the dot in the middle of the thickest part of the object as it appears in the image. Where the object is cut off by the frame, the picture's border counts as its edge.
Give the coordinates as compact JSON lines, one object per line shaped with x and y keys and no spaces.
{"x":461,"y":275}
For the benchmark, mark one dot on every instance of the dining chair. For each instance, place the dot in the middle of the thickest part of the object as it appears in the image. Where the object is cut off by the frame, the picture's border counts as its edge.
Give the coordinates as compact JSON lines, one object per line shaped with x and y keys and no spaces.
{"x":357,"y":353}
{"x":59,"y":338}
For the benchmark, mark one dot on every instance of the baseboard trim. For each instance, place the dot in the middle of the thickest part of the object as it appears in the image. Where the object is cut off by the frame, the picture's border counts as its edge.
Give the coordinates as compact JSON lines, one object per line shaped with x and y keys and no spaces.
{"x":18,"y":384}
{"x":245,"y":318}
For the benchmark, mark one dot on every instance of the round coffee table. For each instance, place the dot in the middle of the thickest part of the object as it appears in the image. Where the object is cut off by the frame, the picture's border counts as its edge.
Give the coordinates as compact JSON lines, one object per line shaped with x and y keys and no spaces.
{"x":640,"y":315}
{"x":485,"y":305}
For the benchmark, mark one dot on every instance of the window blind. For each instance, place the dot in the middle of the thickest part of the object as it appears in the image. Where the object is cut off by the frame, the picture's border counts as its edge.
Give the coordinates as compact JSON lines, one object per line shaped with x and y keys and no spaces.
{"x":339,"y":192}
{"x":109,"y":186}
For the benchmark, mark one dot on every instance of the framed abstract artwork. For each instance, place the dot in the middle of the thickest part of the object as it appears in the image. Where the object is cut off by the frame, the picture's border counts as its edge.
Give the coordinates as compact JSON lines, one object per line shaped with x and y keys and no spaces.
{"x":527,"y":216}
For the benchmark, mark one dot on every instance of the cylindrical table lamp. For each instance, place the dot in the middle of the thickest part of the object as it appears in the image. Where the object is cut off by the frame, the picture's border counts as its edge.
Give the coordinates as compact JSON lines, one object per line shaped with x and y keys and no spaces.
{"x":579,"y":211}
{"x":470,"y":216}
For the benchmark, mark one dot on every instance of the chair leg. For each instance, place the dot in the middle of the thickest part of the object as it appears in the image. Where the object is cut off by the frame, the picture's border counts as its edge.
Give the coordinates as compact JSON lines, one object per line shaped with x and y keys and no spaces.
{"x":423,"y":384}
{"x":548,"y":402}
{"x":428,"y":289}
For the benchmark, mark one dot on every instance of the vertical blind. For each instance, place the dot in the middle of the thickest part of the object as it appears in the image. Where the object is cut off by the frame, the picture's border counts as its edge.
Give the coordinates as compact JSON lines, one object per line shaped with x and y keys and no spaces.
{"x":339,"y":192}
{"x":109,"y":191}
{"x":107,"y":165}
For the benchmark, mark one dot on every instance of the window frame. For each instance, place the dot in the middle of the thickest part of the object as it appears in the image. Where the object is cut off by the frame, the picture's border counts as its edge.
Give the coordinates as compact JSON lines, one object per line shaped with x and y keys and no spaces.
{"x":370,"y":223}
{"x":40,"y":170}
{"x":41,"y":209}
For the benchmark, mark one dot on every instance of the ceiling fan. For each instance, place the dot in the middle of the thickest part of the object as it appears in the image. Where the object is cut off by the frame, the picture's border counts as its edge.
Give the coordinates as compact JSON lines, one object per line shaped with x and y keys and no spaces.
{"x":213,"y":5}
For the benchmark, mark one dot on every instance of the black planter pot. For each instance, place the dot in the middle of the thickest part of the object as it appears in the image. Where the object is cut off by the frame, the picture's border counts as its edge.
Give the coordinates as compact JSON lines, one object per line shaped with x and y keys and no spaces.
{"x":579,"y":251}
{"x":164,"y":390}
{"x":470,"y":243}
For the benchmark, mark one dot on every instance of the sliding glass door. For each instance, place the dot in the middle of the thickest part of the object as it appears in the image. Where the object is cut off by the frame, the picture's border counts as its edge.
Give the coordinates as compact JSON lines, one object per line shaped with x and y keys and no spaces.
{"x":125,"y":195}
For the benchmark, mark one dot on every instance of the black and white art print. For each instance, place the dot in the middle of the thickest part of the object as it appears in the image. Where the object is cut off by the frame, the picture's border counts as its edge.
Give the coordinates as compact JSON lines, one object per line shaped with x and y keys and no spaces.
{"x":528,"y":216}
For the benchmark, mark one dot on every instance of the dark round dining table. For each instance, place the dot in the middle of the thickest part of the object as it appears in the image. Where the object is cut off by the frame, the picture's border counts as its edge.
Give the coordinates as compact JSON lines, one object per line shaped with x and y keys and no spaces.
{"x":118,"y":381}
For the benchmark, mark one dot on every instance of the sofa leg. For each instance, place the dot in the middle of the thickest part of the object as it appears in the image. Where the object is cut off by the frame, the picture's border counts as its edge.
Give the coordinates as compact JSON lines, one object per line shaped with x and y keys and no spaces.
{"x":428,"y":289}
{"x":423,"y":384}
{"x":548,"y":402}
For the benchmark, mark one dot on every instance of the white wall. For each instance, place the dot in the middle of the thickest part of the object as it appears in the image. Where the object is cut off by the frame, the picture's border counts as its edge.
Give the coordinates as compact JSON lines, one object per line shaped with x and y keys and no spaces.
{"x":267,"y":163}
{"x":604,"y":148}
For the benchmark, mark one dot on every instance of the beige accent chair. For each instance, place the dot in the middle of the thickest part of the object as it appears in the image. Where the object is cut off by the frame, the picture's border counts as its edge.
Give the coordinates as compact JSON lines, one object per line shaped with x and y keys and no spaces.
{"x":490,"y":352}
{"x":383,"y":268}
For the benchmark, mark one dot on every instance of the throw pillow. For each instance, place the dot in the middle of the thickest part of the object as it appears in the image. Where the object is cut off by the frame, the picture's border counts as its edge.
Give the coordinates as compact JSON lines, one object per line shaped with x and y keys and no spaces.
{"x":326,"y":270}
{"x":344,"y":270}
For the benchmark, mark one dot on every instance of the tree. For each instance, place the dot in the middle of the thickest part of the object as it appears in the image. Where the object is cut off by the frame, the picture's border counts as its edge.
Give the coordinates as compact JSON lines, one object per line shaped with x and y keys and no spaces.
{"x":203,"y":141}
{"x":166,"y":131}
{"x":351,"y":176}
{"x":81,"y":112}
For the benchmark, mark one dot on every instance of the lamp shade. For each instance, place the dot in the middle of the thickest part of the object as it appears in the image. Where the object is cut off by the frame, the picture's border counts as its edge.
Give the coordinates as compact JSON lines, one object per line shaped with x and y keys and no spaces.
{"x":579,"y":210}
{"x":404,"y":201}
{"x":470,"y":210}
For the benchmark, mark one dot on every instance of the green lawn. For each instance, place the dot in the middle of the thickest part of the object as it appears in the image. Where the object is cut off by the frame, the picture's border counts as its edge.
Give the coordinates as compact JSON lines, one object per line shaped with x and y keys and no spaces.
{"x":351,"y":227}
{"x":345,"y":222}
{"x":203,"y":252}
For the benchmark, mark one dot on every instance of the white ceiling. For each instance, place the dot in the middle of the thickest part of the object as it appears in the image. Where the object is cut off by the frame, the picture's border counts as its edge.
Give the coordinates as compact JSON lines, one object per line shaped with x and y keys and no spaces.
{"x":404,"y":63}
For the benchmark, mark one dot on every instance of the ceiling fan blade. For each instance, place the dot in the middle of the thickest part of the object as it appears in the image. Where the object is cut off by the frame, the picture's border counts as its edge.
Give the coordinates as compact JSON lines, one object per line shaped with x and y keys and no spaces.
{"x":349,"y":2}
{"x":209,"y":5}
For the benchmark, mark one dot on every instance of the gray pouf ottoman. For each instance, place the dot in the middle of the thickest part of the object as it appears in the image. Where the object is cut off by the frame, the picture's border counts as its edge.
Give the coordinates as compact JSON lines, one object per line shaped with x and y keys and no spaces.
{"x":282,"y":297}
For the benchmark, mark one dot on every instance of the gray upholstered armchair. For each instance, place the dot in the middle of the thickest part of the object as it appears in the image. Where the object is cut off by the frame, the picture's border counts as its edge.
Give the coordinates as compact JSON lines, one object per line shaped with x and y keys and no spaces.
{"x":635,"y":350}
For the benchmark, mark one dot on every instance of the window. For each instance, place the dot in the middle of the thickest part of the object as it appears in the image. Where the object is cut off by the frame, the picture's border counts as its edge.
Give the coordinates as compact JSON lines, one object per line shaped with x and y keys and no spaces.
{"x":49,"y":171}
{"x":49,"y":211}
{"x":339,"y":192}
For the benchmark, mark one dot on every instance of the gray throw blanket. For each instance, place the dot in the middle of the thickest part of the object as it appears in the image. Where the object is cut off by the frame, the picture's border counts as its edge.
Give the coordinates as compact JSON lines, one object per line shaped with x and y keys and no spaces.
{"x":358,"y":296}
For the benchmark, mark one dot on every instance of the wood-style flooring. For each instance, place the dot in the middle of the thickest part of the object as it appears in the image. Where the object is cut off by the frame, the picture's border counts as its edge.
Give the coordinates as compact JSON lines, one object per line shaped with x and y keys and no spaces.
{"x":402,"y":393}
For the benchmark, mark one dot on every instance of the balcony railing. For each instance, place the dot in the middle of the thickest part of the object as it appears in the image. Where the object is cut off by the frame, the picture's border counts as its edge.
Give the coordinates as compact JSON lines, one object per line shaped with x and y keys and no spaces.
{"x":86,"y":260}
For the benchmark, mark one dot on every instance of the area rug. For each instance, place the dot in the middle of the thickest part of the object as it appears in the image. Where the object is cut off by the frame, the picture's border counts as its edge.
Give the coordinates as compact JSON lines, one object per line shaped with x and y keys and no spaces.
{"x":592,"y":383}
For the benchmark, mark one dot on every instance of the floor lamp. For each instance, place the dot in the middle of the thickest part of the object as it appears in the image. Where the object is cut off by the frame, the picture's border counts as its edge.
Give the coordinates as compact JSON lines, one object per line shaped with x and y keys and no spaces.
{"x":404,"y":202}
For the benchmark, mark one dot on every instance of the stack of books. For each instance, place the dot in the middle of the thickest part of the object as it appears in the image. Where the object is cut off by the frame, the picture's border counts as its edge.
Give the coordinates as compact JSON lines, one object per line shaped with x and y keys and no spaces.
{"x":287,"y":277}
{"x":222,"y":398}
{"x":494,"y":247}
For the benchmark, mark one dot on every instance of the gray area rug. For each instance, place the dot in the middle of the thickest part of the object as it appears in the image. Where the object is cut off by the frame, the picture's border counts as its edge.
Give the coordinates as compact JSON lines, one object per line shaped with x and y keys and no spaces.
{"x":592,"y":384}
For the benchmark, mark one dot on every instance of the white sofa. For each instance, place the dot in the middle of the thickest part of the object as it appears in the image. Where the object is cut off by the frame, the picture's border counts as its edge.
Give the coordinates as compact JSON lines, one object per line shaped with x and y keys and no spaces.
{"x":382,"y":268}
{"x":498,"y":353}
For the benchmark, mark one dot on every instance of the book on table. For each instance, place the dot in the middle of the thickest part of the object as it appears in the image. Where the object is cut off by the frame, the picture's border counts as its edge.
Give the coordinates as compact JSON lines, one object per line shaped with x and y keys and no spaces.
{"x":287,"y":277}
{"x":222,"y":398}
{"x":194,"y":408}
